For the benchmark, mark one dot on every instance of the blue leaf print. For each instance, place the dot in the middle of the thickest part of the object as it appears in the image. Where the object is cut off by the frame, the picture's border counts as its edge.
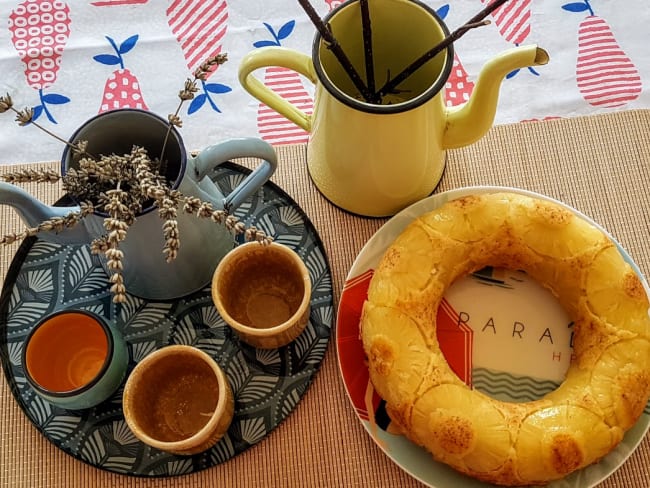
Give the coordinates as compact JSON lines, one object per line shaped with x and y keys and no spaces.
{"x":576,"y":7}
{"x":38,"y":111}
{"x":217,"y":88}
{"x":107,"y":59}
{"x":213,"y":105}
{"x":197,"y":103}
{"x":512,"y":74}
{"x":270,"y":29}
{"x":443,"y":11}
{"x":264,"y":43}
{"x":286,"y":30}
{"x":49,"y":116}
{"x":55,"y":99}
{"x":128,"y":44}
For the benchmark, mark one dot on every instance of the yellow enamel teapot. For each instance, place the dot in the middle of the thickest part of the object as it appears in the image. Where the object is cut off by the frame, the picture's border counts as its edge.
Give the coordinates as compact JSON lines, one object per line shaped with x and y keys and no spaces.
{"x":374,"y":159}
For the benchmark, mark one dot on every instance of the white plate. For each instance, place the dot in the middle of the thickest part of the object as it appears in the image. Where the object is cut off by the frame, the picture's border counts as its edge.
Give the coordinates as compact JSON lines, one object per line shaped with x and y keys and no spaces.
{"x":493,"y":336}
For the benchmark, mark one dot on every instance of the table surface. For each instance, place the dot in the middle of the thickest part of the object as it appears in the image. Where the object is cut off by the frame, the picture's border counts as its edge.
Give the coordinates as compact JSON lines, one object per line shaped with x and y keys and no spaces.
{"x":597,"y":164}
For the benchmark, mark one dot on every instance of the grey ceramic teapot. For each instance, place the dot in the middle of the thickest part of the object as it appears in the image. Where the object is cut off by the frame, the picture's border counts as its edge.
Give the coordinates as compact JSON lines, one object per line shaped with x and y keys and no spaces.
{"x":203,"y":243}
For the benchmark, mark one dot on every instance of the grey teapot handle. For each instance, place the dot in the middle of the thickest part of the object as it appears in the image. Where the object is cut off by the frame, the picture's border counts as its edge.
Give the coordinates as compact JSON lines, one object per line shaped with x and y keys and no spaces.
{"x":245,"y":147}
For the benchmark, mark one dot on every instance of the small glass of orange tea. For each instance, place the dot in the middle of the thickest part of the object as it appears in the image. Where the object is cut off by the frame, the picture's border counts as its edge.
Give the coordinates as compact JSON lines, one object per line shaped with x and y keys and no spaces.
{"x":74,"y":359}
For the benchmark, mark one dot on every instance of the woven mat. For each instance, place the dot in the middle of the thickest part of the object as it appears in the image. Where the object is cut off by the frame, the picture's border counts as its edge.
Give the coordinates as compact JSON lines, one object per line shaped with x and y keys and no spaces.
{"x":599,"y":165}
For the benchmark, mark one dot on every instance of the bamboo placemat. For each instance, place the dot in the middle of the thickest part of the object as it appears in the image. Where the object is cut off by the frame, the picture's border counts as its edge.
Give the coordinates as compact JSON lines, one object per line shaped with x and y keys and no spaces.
{"x":599,"y":165}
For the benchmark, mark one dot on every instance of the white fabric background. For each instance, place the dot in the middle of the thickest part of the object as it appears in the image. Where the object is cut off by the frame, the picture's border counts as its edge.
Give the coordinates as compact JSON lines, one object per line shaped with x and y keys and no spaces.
{"x":158,"y":62}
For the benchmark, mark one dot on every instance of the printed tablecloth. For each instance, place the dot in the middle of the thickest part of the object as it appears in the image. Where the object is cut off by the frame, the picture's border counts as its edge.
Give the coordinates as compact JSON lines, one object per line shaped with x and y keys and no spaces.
{"x":71,"y":60}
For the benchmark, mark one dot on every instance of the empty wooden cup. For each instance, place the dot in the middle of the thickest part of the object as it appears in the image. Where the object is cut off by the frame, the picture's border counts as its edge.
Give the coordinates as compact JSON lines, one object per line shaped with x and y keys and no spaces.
{"x":263,"y":292}
{"x":177,"y":399}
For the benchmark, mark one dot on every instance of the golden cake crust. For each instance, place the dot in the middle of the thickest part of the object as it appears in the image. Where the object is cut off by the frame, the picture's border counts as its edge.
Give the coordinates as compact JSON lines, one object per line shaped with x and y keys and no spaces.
{"x":607,"y":384}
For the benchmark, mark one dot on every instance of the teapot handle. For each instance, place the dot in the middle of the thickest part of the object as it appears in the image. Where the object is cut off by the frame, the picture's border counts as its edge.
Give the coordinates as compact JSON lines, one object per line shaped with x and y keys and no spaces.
{"x":277,"y":56}
{"x":244,"y":147}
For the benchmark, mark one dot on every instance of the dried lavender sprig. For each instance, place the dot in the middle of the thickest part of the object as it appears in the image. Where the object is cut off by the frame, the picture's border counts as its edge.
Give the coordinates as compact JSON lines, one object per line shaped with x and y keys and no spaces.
{"x":206,"y":67}
{"x":187,"y":93}
{"x":26,"y":116}
{"x":168,"y":201}
{"x":168,"y":212}
{"x":117,"y":228}
{"x":193,"y":205}
{"x":5,"y":103}
{"x":55,"y":224}
{"x":27,"y":175}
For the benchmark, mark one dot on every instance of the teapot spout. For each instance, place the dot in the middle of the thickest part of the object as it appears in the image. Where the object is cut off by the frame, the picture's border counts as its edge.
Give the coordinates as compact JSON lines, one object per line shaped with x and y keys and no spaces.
{"x":470,"y":121}
{"x":33,"y":212}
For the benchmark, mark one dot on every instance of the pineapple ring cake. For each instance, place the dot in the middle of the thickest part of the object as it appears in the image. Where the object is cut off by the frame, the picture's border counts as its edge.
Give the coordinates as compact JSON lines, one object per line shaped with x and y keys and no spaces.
{"x":607,"y":384}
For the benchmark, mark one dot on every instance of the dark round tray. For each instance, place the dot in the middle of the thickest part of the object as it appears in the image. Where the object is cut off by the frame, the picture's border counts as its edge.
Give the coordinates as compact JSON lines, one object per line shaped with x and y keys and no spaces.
{"x":267,"y":384}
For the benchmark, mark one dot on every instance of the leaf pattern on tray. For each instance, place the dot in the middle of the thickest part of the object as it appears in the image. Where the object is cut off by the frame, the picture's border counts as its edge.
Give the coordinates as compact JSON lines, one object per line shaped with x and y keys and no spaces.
{"x":84,"y":275}
{"x":257,"y":388}
{"x":267,"y":384}
{"x":62,"y":426}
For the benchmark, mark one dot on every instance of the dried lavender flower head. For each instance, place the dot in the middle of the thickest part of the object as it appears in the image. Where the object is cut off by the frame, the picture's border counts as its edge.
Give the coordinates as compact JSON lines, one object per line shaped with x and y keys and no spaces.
{"x":24,"y":116}
{"x":209,"y":65}
{"x":5,"y":103}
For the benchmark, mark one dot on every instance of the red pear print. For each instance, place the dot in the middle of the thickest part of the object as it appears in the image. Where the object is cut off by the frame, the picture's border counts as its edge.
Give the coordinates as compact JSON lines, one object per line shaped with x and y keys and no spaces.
{"x":273,"y":127}
{"x":334,"y":3}
{"x":550,"y":117}
{"x":110,"y":3}
{"x":605,"y":75}
{"x":39,"y":32}
{"x":122,"y":89}
{"x":512,"y":19}
{"x":199,"y":27}
{"x":458,"y":87}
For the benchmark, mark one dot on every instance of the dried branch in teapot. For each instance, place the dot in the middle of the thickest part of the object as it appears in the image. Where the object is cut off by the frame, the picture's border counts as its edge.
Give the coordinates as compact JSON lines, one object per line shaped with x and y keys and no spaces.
{"x":334,"y":46}
{"x":474,"y":22}
{"x":367,"y":91}
{"x":392,"y":84}
{"x":366,"y":26}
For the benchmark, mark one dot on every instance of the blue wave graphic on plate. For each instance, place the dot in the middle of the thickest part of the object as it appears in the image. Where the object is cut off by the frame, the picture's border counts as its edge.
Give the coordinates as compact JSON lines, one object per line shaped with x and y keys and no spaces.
{"x":515,"y":388}
{"x":509,"y":387}
{"x":267,"y":384}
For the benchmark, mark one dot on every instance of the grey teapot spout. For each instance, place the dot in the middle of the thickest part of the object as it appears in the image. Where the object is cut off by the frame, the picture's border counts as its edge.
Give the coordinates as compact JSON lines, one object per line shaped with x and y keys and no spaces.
{"x":33,"y":212}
